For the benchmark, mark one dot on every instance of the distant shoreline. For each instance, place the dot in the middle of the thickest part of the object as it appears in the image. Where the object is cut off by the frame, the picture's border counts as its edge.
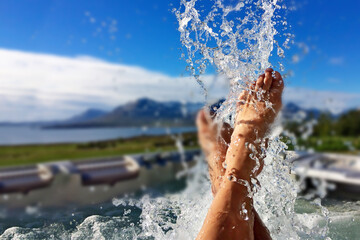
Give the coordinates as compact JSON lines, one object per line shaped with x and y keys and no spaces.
{"x":27,"y":135}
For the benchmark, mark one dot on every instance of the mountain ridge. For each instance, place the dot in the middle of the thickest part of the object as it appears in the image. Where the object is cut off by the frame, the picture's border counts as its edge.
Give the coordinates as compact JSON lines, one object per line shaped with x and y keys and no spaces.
{"x":142,"y":112}
{"x":148,"y":112}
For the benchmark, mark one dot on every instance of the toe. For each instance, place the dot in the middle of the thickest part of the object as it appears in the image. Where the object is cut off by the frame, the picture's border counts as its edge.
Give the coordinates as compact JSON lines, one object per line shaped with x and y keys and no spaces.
{"x":260,"y":82}
{"x":201,"y":121}
{"x":203,"y":131}
{"x":278,"y":81}
{"x":276,"y":89}
{"x":242,"y":98}
{"x":268,"y":79}
{"x":277,"y":85}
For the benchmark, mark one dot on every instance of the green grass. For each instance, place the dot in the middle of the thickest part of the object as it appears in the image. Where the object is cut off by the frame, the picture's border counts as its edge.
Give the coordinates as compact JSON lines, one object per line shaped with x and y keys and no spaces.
{"x":32,"y":154}
{"x":330,"y":144}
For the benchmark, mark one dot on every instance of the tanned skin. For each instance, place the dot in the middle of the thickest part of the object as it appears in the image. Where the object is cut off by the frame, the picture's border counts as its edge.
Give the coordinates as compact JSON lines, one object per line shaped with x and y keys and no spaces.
{"x":231,"y":214}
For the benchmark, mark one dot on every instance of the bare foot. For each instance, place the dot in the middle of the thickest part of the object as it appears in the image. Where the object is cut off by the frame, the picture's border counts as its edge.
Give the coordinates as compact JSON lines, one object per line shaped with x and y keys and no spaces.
{"x":257,"y":110}
{"x":214,"y":141}
{"x":253,"y":114}
{"x":252,"y":122}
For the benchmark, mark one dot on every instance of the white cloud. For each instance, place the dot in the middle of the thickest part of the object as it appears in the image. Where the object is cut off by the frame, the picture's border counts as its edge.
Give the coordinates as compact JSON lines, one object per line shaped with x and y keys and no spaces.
{"x":336,"y":61}
{"x":332,"y":101}
{"x":44,"y":87}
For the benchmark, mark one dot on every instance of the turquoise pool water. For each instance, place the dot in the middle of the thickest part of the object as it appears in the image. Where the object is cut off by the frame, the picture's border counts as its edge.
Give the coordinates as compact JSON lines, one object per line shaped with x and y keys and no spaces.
{"x":154,"y":213}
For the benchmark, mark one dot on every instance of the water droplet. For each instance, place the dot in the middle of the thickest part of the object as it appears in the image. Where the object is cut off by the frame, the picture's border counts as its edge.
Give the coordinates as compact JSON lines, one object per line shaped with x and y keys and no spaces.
{"x":226,"y":50}
{"x":280,"y":52}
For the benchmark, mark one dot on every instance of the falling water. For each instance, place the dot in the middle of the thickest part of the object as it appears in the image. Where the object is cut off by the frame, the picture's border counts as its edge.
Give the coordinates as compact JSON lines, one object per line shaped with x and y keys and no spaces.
{"x":237,"y":38}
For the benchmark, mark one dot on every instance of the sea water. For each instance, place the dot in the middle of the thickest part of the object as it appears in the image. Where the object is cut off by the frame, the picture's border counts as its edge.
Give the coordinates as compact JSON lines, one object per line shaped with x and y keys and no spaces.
{"x":239,"y":38}
{"x":23,"y":135}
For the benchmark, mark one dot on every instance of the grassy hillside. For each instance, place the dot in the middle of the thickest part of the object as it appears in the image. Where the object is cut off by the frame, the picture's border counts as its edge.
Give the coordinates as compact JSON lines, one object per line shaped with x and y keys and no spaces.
{"x":31,"y":154}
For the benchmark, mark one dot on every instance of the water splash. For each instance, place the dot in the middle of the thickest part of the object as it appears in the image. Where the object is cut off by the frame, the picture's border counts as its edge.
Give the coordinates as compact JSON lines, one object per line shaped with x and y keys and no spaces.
{"x":239,"y":39}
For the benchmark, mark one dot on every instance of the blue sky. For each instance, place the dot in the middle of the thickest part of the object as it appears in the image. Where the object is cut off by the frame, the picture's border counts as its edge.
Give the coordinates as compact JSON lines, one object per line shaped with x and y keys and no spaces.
{"x":329,"y":29}
{"x":137,"y":32}
{"x":144,"y":33}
